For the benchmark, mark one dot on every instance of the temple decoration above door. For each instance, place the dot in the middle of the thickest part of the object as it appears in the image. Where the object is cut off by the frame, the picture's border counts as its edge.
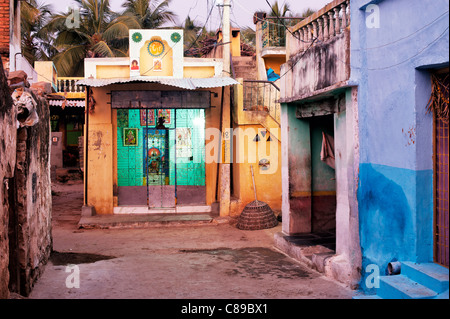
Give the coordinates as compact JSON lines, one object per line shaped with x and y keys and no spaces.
{"x":156,"y":53}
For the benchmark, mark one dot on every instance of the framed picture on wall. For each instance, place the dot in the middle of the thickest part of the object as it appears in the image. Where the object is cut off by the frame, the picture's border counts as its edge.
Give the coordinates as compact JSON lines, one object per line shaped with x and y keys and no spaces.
{"x":157,"y":65}
{"x":130,"y":137}
{"x":184,"y":142}
{"x":166,"y":114}
{"x":150,"y":120}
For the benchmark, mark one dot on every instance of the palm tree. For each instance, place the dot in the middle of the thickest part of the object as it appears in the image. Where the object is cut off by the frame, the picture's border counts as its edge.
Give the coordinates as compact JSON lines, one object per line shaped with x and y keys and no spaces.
{"x":191,"y":32}
{"x":99,"y":33}
{"x":307,"y":12}
{"x":36,"y":44}
{"x":248,"y":36}
{"x":276,"y":11}
{"x":150,"y":14}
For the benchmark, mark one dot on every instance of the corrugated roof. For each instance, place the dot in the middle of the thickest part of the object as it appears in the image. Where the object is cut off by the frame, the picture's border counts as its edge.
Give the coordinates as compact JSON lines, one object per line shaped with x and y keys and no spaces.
{"x":185,"y":83}
{"x":67,"y":103}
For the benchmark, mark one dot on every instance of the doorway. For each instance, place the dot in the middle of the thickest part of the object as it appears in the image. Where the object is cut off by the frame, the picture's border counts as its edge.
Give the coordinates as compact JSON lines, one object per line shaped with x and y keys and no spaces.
{"x":440,"y":86}
{"x":323,"y":175}
{"x":161,"y":158}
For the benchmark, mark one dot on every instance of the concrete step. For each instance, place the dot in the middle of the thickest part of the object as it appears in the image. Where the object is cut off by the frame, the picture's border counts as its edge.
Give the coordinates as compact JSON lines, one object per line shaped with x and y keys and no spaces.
{"x":366,"y":297}
{"x":401,"y":287}
{"x":244,"y":63}
{"x":124,"y":221}
{"x":430,"y":275}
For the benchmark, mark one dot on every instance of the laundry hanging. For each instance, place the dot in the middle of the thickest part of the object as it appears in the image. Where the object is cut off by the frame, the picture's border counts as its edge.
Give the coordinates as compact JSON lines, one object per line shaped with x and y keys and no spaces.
{"x":26,"y":108}
{"x":327,"y":151}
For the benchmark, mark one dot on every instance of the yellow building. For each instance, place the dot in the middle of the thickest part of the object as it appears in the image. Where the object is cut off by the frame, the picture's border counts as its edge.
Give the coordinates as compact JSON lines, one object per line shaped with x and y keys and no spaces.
{"x":153,"y":129}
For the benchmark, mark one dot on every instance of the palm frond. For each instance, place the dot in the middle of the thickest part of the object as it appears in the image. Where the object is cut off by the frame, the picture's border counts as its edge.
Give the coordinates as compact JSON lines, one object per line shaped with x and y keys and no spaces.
{"x":102,"y":49}
{"x":67,"y":60}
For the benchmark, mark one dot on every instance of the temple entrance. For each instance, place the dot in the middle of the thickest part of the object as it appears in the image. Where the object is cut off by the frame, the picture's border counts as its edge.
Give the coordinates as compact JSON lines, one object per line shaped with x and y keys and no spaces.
{"x":161,"y":158}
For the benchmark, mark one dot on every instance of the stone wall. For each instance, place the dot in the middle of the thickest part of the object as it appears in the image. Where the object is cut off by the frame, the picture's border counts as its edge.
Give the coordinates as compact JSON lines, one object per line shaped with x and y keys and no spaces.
{"x":25,"y":192}
{"x":33,"y":198}
{"x":8,"y":133}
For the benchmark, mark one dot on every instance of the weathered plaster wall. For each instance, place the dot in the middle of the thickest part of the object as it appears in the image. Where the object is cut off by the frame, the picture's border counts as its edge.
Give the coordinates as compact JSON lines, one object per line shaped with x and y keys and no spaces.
{"x":8,"y":133}
{"x":348,"y":251}
{"x":323,"y":65}
{"x":389,"y":65}
{"x":33,"y":198}
{"x":296,"y":172}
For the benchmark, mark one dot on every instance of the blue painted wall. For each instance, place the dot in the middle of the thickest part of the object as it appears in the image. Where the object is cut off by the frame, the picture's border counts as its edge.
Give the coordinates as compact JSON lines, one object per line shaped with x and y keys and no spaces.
{"x":390,"y":65}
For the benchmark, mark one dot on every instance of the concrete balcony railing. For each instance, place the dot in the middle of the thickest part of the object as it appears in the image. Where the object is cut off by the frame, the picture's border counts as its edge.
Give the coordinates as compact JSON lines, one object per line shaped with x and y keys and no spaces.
{"x":323,"y":25}
{"x":67,"y":86}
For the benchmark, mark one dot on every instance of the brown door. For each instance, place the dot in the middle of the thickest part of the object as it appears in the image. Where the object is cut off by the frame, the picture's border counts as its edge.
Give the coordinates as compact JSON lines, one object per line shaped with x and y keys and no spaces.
{"x":441,"y":171}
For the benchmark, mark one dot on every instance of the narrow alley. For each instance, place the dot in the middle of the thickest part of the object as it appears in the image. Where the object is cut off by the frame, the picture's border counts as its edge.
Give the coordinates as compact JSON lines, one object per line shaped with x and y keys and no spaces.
{"x":188,"y":262}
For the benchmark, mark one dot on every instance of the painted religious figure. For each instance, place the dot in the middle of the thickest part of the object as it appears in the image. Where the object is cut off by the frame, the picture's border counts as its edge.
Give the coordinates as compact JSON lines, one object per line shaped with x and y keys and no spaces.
{"x":184,"y":142}
{"x":130,"y":137}
{"x":156,"y":165}
{"x":157,"y":65}
{"x":165,"y":113}
{"x":134,"y":65}
{"x":148,"y":118}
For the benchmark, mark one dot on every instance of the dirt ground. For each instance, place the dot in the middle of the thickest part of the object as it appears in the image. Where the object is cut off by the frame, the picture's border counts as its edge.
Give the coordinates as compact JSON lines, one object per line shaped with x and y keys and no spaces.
{"x":191,"y":262}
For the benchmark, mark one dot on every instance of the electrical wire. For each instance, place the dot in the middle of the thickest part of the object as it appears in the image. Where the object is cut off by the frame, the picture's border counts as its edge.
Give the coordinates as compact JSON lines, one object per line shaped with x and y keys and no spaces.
{"x":200,"y":33}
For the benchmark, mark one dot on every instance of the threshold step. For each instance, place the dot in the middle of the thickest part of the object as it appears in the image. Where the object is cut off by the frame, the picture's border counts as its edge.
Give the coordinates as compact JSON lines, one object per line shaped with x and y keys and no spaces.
{"x":431,"y":275}
{"x":401,"y":287}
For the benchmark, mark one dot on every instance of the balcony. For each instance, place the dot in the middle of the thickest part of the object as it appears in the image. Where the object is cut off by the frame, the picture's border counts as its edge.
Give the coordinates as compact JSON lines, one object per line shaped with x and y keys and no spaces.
{"x":256,"y":104}
{"x":67,"y":87}
{"x":274,"y":35}
{"x":261,"y":96}
{"x":322,"y":26}
{"x":318,"y":53}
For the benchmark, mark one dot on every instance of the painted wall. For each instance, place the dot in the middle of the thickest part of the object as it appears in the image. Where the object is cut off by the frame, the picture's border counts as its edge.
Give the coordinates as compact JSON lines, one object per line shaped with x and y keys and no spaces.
{"x":274,"y":62}
{"x":246,"y":151}
{"x":389,"y":63}
{"x":296,"y":179}
{"x":112,"y":71}
{"x":235,"y":41}
{"x":46,"y":72}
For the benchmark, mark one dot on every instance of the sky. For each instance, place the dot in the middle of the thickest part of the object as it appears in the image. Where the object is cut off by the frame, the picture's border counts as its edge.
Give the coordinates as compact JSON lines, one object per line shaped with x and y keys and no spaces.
{"x":241,"y":10}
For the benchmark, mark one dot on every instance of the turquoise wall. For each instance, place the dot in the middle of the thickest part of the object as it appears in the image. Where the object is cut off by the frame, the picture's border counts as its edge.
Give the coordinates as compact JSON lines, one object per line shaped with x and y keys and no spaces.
{"x":129,"y":158}
{"x":189,"y":170}
{"x":395,"y":206}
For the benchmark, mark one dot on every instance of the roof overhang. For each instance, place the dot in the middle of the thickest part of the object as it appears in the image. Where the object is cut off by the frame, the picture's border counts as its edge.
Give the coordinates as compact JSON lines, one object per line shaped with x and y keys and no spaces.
{"x":184,"y":83}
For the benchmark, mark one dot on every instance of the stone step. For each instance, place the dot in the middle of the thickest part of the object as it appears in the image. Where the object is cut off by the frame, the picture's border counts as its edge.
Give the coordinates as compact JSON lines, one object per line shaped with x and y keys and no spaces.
{"x":401,"y":287}
{"x":431,"y":275}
